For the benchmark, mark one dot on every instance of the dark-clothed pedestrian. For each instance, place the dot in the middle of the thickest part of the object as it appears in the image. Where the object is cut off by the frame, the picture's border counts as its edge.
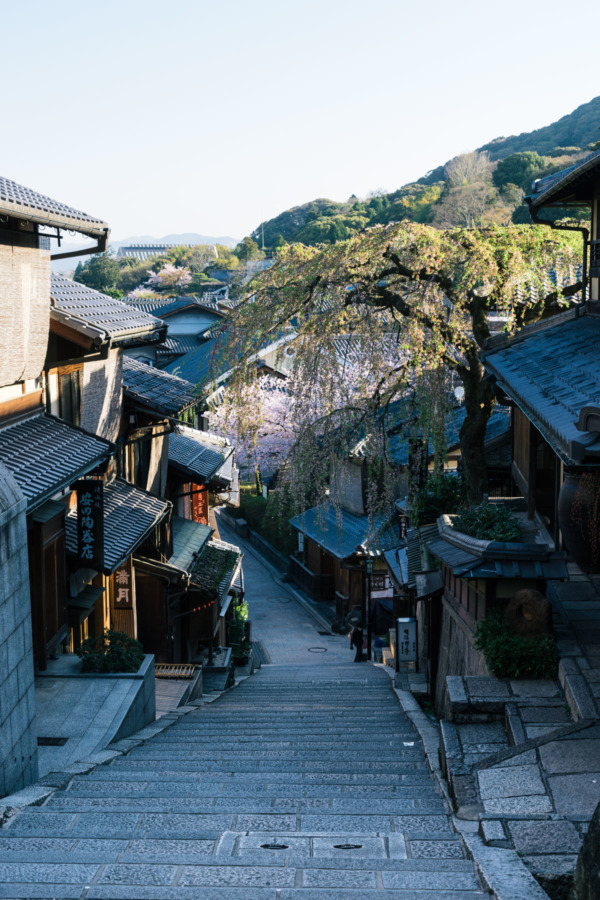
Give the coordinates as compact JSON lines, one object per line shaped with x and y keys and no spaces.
{"x":356,"y":640}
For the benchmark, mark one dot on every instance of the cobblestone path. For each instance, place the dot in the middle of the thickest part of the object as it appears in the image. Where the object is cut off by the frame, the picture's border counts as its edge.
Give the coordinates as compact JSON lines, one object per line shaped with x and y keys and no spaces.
{"x":296,"y":785}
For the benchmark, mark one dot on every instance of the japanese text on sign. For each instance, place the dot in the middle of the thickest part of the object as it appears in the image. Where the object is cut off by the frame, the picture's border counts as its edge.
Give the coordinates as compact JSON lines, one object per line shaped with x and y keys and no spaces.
{"x":90,"y":522}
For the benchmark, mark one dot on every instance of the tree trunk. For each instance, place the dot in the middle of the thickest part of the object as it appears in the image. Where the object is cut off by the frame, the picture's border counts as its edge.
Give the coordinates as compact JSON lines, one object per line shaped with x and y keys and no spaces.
{"x":479,"y":402}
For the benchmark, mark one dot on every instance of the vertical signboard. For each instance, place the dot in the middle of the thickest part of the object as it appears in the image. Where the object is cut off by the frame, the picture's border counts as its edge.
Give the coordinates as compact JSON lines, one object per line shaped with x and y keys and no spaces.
{"x":90,"y":523}
{"x":406,"y":640}
{"x":123,"y":613}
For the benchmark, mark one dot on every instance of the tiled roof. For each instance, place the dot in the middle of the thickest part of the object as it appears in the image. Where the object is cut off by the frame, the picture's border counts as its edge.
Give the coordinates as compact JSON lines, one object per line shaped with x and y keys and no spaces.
{"x":112,"y":320}
{"x":203,"y":365}
{"x":401,"y":423}
{"x":198,"y":455}
{"x":168,"y":306}
{"x":397,"y":564}
{"x":342,"y":533}
{"x":129,"y":516}
{"x":216,"y":569}
{"x":494,"y":561}
{"x":178,"y":345}
{"x":562,"y":187}
{"x":155,"y":389}
{"x":189,"y":540}
{"x":212,"y":360}
{"x":551,"y":373}
{"x":45,"y":455}
{"x":23,"y":203}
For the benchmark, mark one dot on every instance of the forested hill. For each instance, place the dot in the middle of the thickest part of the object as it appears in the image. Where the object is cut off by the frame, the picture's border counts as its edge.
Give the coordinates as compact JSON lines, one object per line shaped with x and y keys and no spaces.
{"x":478,"y":188}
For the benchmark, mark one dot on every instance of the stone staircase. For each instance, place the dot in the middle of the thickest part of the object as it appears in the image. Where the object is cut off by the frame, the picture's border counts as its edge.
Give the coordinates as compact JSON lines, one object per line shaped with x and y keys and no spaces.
{"x":300,"y":784}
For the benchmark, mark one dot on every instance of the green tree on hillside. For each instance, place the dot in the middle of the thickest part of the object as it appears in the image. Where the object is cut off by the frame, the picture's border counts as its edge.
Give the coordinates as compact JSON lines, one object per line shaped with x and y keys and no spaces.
{"x":519,"y":169}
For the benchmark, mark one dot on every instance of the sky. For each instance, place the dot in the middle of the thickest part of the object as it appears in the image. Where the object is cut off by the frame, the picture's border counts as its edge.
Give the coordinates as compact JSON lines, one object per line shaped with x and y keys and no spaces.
{"x":210,"y":117}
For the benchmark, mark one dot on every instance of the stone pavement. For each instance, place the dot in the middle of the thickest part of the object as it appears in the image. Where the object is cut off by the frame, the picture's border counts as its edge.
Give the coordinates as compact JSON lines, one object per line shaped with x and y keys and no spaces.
{"x":307,"y":781}
{"x":303,"y":782}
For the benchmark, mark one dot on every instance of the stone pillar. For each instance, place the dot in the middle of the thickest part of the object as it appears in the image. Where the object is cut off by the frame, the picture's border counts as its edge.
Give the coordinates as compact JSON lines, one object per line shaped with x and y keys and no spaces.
{"x":18,"y":734}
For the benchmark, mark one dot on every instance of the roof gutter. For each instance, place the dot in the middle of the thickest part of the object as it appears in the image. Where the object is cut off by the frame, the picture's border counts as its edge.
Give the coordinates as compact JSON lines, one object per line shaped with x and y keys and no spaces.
{"x":87,"y":251}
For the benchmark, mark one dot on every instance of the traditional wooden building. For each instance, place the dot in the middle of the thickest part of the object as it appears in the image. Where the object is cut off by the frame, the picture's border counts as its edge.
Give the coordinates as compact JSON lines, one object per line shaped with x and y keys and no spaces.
{"x":41,"y":455}
{"x":182,"y":603}
{"x":550,"y":373}
{"x":187,"y":318}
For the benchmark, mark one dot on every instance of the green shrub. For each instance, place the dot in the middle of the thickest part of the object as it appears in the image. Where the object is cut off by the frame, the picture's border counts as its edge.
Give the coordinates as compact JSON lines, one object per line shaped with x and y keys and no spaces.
{"x":442,"y":494}
{"x":490,"y":521}
{"x":113,"y":651}
{"x":508,"y":655}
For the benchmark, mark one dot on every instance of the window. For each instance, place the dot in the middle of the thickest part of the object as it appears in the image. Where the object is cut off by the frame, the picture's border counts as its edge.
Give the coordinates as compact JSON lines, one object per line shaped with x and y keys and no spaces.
{"x":69,"y":392}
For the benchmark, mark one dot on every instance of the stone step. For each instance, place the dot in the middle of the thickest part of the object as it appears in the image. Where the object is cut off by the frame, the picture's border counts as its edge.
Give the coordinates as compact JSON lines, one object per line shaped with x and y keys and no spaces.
{"x":208,"y":805}
{"x":117,"y":877}
{"x":123,"y":891}
{"x":248,"y":764}
{"x":253,"y":780}
{"x":49,"y":823}
{"x":201,"y":788}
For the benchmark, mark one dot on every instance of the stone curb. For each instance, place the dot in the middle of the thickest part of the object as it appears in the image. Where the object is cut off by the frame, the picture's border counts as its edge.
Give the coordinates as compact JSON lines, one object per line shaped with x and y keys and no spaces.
{"x":501,"y":871}
{"x":37,"y":793}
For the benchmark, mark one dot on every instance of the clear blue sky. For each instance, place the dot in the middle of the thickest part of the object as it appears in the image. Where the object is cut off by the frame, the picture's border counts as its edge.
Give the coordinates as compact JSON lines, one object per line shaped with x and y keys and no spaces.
{"x":213,"y":116}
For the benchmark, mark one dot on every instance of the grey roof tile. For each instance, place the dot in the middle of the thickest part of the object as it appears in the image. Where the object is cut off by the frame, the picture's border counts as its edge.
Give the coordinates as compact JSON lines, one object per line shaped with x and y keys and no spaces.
{"x":113,"y":319}
{"x":342,"y":533}
{"x":45,"y":455}
{"x":552,"y":373}
{"x":129,"y":516}
{"x":155,"y":389}
{"x":21,"y":202}
{"x":216,"y":569}
{"x":168,"y":306}
{"x":189,"y":540}
{"x":198,"y":455}
{"x":469,"y":565}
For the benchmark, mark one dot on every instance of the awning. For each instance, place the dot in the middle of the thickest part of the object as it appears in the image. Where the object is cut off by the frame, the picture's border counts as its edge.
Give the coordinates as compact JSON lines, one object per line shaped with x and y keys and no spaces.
{"x":130,"y":515}
{"x":200,"y":457}
{"x":45,"y":455}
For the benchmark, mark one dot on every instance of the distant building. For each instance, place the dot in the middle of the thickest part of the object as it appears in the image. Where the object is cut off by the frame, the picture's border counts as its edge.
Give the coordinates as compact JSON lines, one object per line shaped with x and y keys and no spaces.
{"x":142,"y":252}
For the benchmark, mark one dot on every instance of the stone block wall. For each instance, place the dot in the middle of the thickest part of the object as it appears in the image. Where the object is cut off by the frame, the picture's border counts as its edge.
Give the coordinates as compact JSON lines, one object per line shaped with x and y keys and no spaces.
{"x":457,"y":652}
{"x":18,"y":734}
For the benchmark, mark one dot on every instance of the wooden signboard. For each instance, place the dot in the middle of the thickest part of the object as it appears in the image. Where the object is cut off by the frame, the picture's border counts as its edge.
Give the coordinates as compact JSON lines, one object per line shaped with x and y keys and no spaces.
{"x":90,"y":523}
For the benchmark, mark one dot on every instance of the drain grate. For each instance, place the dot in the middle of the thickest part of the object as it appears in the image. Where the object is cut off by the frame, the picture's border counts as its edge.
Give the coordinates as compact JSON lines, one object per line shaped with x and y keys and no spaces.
{"x":51,"y":742}
{"x":347,"y":846}
{"x":274,"y":846}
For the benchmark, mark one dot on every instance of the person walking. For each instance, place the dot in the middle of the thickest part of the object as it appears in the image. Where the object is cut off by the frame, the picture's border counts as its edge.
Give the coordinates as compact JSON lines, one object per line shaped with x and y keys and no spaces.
{"x":356,"y":640}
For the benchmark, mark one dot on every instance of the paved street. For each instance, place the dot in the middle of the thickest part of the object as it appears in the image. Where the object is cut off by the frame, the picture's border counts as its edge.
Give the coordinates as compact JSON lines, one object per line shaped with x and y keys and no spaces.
{"x":306,"y":781}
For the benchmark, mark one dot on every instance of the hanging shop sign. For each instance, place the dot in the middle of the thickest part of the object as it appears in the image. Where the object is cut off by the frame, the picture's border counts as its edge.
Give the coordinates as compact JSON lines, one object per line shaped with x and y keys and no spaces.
{"x":123,"y":595}
{"x":90,"y":523}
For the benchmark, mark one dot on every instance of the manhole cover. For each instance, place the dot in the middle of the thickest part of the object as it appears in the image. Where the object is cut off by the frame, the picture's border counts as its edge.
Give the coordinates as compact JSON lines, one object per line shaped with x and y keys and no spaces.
{"x":347,"y":846}
{"x":274,"y":846}
{"x":317,"y":649}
